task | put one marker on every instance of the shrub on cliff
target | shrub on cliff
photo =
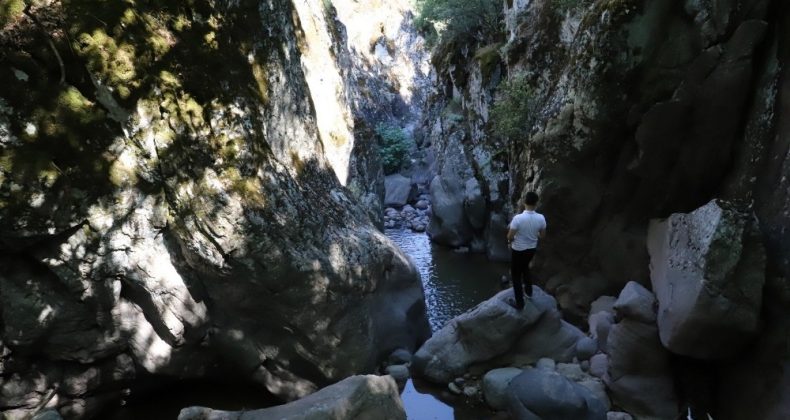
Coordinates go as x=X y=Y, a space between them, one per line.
x=459 y=20
x=513 y=109
x=393 y=147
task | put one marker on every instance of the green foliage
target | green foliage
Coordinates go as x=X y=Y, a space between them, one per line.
x=459 y=20
x=393 y=147
x=513 y=109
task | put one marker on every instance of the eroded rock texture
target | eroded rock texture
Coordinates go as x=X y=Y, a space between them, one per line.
x=171 y=202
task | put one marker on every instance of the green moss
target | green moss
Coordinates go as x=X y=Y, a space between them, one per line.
x=11 y=10
x=488 y=58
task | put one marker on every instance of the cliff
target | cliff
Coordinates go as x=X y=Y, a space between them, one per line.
x=172 y=202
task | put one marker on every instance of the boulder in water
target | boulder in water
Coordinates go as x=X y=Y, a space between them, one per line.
x=397 y=189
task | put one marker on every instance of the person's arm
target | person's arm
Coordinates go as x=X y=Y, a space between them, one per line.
x=510 y=235
x=542 y=232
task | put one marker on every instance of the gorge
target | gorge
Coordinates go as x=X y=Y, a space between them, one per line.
x=196 y=190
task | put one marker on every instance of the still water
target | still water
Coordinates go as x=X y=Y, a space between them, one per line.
x=454 y=283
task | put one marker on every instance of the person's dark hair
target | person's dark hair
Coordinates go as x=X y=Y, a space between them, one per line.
x=531 y=199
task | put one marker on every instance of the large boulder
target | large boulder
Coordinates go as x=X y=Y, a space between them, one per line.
x=638 y=370
x=449 y=225
x=397 y=190
x=708 y=272
x=497 y=332
x=356 y=397
x=495 y=384
x=637 y=303
x=546 y=394
x=475 y=204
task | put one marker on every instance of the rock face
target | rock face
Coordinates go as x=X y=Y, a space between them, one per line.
x=708 y=271
x=170 y=204
x=545 y=394
x=497 y=332
x=638 y=371
x=356 y=397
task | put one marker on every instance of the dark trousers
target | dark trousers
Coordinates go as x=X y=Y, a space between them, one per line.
x=520 y=275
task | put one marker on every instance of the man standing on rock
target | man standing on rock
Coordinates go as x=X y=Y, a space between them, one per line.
x=525 y=230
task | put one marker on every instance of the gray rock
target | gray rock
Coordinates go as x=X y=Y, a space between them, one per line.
x=422 y=204
x=471 y=391
x=495 y=384
x=546 y=363
x=708 y=272
x=541 y=393
x=496 y=238
x=600 y=323
x=637 y=303
x=585 y=348
x=475 y=204
x=599 y=365
x=497 y=332
x=572 y=371
x=455 y=389
x=603 y=303
x=597 y=387
x=399 y=372
x=397 y=189
x=618 y=415
x=356 y=397
x=400 y=357
x=639 y=372
x=449 y=225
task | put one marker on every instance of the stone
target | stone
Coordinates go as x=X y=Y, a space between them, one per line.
x=639 y=374
x=449 y=225
x=495 y=384
x=618 y=415
x=597 y=387
x=572 y=371
x=400 y=357
x=603 y=303
x=475 y=204
x=599 y=365
x=585 y=348
x=636 y=302
x=399 y=372
x=542 y=393
x=455 y=389
x=497 y=332
x=585 y=365
x=422 y=204
x=361 y=396
x=471 y=391
x=397 y=189
x=496 y=238
x=707 y=268
x=599 y=324
x=546 y=363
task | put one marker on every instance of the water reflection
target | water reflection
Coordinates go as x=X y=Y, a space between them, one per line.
x=454 y=282
x=421 y=406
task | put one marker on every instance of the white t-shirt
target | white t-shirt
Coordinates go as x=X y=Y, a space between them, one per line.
x=527 y=226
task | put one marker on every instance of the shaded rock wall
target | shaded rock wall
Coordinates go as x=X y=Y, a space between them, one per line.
x=641 y=109
x=170 y=204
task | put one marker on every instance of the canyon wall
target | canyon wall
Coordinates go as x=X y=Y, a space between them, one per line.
x=637 y=110
x=186 y=190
